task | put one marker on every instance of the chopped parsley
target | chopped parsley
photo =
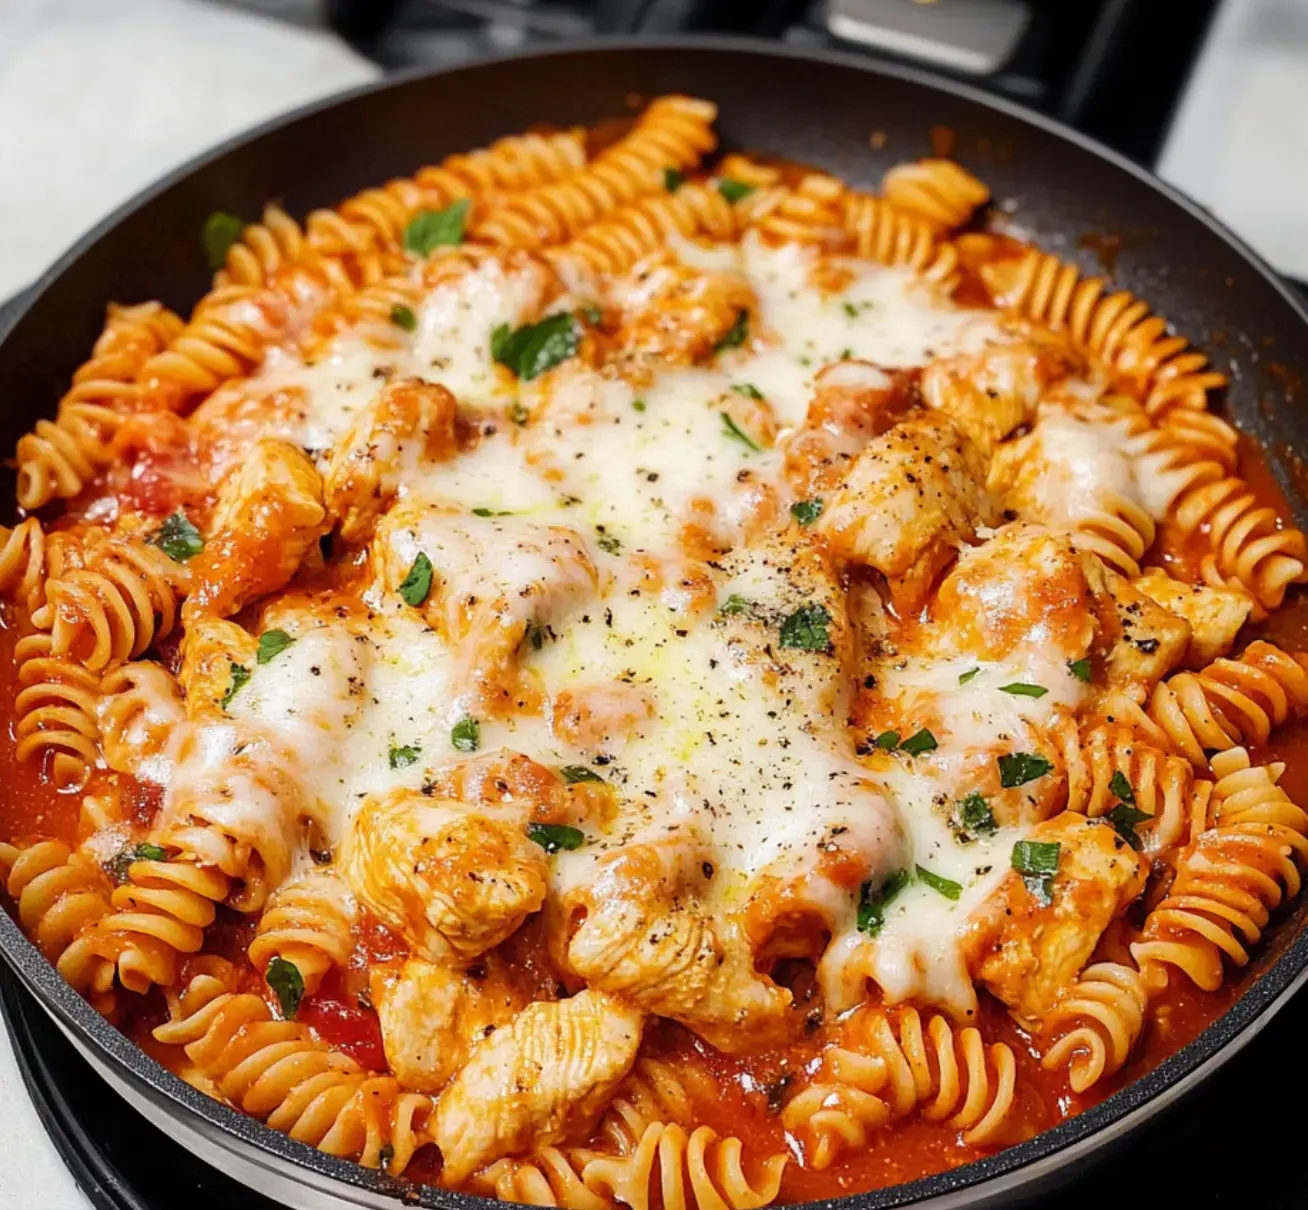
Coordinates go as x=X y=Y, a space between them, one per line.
x=403 y=317
x=403 y=755
x=416 y=585
x=1024 y=689
x=492 y=512
x=673 y=179
x=887 y=741
x=873 y=901
x=1080 y=669
x=731 y=429
x=287 y=984
x=608 y=543
x=737 y=334
x=1122 y=788
x=734 y=604
x=806 y=629
x=1037 y=862
x=271 y=644
x=807 y=511
x=555 y=836
x=534 y=348
x=1125 y=819
x=431 y=229
x=121 y=861
x=975 y=818
x=240 y=675
x=575 y=773
x=919 y=742
x=518 y=413
x=946 y=886
x=637 y=405
x=465 y=735
x=851 y=309
x=177 y=538
x=1022 y=767
x=220 y=231
x=970 y=675
x=748 y=389
x=734 y=190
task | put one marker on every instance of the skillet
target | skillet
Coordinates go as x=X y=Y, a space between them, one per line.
x=815 y=108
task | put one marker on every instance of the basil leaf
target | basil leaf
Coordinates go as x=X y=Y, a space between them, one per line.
x=737 y=334
x=969 y=675
x=1022 y=767
x=887 y=741
x=1080 y=669
x=1036 y=856
x=403 y=317
x=271 y=644
x=177 y=538
x=1023 y=689
x=918 y=743
x=220 y=231
x=575 y=773
x=416 y=585
x=806 y=629
x=287 y=984
x=430 y=229
x=401 y=757
x=535 y=348
x=1124 y=819
x=466 y=734
x=673 y=179
x=748 y=389
x=946 y=886
x=240 y=675
x=120 y=862
x=873 y=901
x=734 y=604
x=732 y=429
x=975 y=817
x=807 y=511
x=555 y=836
x=1122 y=788
x=734 y=190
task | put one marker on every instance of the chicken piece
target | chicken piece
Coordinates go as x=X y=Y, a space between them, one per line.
x=1215 y=614
x=211 y=648
x=410 y=423
x=672 y=313
x=492 y=580
x=226 y=426
x=1145 y=640
x=604 y=716
x=639 y=928
x=910 y=498
x=432 y=1016
x=269 y=516
x=991 y=394
x=1028 y=954
x=540 y=1080
x=454 y=881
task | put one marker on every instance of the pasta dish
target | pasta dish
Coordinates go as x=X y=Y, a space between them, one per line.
x=609 y=672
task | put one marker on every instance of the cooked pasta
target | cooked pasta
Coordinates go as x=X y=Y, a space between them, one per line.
x=601 y=675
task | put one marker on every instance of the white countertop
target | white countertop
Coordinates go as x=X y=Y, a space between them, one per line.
x=99 y=97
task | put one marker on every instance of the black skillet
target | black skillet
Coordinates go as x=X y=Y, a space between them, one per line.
x=818 y=109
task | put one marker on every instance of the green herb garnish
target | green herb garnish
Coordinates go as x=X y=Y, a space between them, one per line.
x=1024 y=689
x=1037 y=862
x=240 y=675
x=851 y=309
x=807 y=511
x=1022 y=767
x=1125 y=819
x=271 y=644
x=1122 y=788
x=121 y=861
x=737 y=334
x=287 y=984
x=555 y=836
x=873 y=901
x=534 y=348
x=430 y=229
x=416 y=585
x=402 y=756
x=1080 y=669
x=220 y=231
x=919 y=742
x=518 y=413
x=748 y=389
x=575 y=773
x=673 y=179
x=946 y=886
x=734 y=190
x=887 y=741
x=608 y=544
x=403 y=317
x=975 y=818
x=970 y=675
x=465 y=735
x=731 y=429
x=806 y=629
x=177 y=538
x=734 y=604
x=637 y=405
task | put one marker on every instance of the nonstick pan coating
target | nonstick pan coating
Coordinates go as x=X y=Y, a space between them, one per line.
x=1067 y=194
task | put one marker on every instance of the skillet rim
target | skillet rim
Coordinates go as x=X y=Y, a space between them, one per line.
x=1125 y=1110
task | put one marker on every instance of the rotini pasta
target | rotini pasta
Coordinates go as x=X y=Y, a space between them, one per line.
x=307 y=922
x=55 y=712
x=941 y=192
x=1100 y=1022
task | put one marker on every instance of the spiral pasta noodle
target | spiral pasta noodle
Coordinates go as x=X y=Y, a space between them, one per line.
x=672 y=133
x=655 y=1091
x=281 y=1073
x=1120 y=533
x=113 y=608
x=59 y=457
x=308 y=922
x=22 y=562
x=60 y=895
x=875 y=1076
x=1229 y=880
x=55 y=711
x=548 y=1177
x=883 y=233
x=939 y=192
x=1102 y=1018
x=667 y=1161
